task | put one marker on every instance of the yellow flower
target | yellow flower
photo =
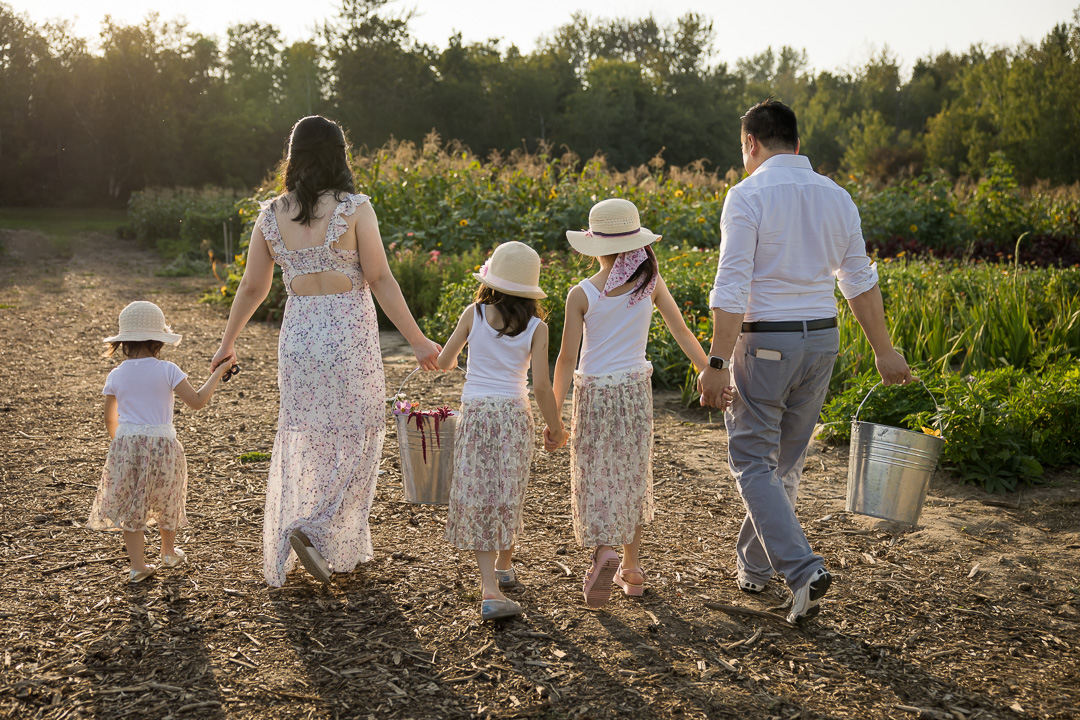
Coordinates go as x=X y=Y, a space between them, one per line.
x=914 y=227
x=697 y=264
x=463 y=222
x=552 y=195
x=678 y=193
x=223 y=290
x=901 y=254
x=931 y=431
x=701 y=220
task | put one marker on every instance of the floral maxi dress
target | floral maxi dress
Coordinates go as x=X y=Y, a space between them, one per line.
x=331 y=421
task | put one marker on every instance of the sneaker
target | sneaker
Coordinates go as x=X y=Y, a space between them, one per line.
x=171 y=561
x=807 y=601
x=309 y=557
x=495 y=609
x=506 y=578
x=750 y=586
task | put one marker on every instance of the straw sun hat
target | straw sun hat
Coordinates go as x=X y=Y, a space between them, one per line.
x=514 y=269
x=614 y=227
x=142 y=320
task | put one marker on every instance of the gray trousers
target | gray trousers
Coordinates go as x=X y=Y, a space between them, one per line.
x=769 y=425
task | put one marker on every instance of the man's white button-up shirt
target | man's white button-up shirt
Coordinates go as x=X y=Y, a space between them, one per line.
x=787 y=235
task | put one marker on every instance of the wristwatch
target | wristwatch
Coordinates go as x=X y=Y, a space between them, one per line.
x=718 y=363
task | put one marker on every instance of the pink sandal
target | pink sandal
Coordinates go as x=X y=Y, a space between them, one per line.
x=597 y=587
x=631 y=589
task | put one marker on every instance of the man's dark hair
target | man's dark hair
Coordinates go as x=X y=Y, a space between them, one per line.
x=773 y=124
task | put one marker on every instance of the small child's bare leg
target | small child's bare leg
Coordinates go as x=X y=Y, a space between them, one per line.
x=505 y=559
x=168 y=542
x=136 y=544
x=489 y=585
x=631 y=561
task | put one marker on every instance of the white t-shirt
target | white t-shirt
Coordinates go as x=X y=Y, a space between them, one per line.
x=144 y=390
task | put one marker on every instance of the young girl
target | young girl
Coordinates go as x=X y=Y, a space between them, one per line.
x=612 y=427
x=493 y=446
x=145 y=475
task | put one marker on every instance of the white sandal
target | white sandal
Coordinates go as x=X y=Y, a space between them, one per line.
x=309 y=556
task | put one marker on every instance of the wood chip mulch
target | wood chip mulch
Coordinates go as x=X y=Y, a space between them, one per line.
x=974 y=614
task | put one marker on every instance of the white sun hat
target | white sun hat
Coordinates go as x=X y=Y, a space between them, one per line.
x=514 y=269
x=142 y=320
x=614 y=227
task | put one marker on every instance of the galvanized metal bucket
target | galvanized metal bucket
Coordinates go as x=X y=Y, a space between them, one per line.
x=889 y=469
x=427 y=456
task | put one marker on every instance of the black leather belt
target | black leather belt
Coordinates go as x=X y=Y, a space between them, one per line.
x=789 y=325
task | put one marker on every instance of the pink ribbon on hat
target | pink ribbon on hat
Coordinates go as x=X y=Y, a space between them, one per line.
x=626 y=264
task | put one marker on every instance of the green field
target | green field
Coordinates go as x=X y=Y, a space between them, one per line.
x=62 y=225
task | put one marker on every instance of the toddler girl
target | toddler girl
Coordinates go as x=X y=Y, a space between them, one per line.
x=608 y=317
x=493 y=445
x=145 y=475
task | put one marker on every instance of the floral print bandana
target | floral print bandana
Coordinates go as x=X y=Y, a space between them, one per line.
x=626 y=264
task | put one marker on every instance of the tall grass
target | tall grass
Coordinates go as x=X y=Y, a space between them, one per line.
x=946 y=316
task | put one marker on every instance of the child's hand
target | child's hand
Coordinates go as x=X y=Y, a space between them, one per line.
x=555 y=440
x=222 y=369
x=727 y=397
x=224 y=356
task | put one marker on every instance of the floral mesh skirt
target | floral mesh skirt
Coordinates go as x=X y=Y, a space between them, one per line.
x=144 y=481
x=492 y=452
x=611 y=440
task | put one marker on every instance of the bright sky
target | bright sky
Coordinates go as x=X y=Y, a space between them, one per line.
x=837 y=34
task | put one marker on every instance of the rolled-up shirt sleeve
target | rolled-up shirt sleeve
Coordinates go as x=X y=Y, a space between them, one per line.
x=738 y=243
x=856 y=273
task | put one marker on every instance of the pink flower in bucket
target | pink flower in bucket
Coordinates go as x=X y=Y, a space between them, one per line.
x=403 y=406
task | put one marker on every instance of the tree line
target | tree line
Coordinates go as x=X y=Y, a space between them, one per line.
x=156 y=104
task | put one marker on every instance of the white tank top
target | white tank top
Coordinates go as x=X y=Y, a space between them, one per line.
x=498 y=366
x=615 y=334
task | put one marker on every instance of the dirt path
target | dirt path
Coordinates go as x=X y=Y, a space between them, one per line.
x=972 y=615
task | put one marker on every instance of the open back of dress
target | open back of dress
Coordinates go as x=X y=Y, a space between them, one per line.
x=331 y=422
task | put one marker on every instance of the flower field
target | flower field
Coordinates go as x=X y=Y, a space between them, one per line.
x=978 y=277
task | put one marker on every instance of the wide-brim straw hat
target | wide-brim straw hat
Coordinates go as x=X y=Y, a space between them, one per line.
x=614 y=227
x=142 y=320
x=514 y=269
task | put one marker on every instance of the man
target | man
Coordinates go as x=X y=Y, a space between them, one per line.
x=787 y=236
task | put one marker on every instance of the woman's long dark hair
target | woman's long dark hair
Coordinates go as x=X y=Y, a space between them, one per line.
x=516 y=311
x=318 y=161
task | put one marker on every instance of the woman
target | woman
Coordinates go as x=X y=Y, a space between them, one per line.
x=331 y=422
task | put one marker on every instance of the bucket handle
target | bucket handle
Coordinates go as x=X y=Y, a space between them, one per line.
x=416 y=370
x=937 y=408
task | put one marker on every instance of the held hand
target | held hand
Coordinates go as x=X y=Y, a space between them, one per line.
x=427 y=352
x=893 y=368
x=715 y=388
x=727 y=398
x=225 y=356
x=555 y=440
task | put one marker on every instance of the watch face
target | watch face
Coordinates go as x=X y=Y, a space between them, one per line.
x=717 y=363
